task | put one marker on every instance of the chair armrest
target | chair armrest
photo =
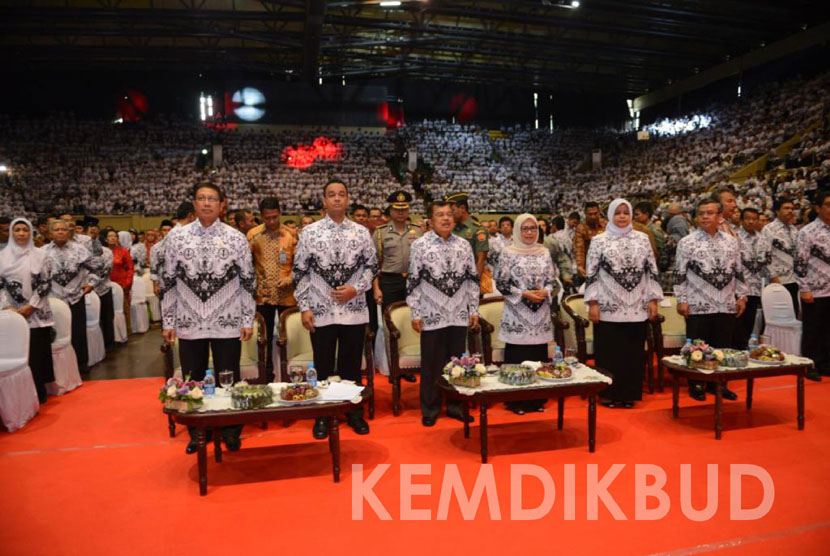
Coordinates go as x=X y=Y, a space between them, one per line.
x=167 y=353
x=262 y=353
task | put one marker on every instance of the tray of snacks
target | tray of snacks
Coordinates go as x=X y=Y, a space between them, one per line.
x=517 y=375
x=251 y=396
x=554 y=373
x=735 y=358
x=298 y=393
x=767 y=355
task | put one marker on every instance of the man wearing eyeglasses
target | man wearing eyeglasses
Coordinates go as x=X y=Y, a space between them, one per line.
x=208 y=301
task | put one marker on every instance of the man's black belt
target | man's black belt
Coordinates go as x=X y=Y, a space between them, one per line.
x=396 y=274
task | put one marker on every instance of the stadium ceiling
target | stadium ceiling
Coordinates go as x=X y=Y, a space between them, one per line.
x=603 y=46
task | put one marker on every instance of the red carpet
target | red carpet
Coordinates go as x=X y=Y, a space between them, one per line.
x=96 y=473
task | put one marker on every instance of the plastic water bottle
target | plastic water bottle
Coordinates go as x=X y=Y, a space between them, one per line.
x=311 y=375
x=688 y=343
x=753 y=342
x=557 y=356
x=209 y=384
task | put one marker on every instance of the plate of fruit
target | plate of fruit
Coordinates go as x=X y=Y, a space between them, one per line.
x=298 y=393
x=554 y=373
x=767 y=355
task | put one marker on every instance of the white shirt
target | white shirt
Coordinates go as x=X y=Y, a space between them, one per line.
x=524 y=322
x=812 y=263
x=442 y=285
x=781 y=237
x=621 y=276
x=330 y=255
x=73 y=267
x=208 y=278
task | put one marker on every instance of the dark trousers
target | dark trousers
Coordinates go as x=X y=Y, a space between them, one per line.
x=793 y=289
x=40 y=359
x=269 y=315
x=716 y=330
x=437 y=347
x=619 y=348
x=373 y=311
x=815 y=335
x=339 y=347
x=79 y=334
x=514 y=354
x=194 y=355
x=393 y=288
x=745 y=324
x=106 y=318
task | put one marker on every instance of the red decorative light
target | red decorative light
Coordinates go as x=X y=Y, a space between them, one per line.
x=304 y=156
x=131 y=106
x=464 y=108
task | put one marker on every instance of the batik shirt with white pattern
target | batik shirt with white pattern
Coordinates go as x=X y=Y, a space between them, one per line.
x=755 y=259
x=812 y=262
x=708 y=274
x=208 y=278
x=621 y=276
x=526 y=322
x=73 y=267
x=11 y=294
x=442 y=286
x=781 y=238
x=104 y=270
x=330 y=255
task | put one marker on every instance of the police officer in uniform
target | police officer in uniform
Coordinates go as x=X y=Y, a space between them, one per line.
x=469 y=228
x=392 y=242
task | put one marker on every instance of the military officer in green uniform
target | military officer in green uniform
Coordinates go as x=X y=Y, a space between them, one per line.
x=392 y=242
x=467 y=227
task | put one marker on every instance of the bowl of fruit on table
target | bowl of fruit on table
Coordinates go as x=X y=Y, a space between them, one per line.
x=554 y=372
x=767 y=355
x=298 y=393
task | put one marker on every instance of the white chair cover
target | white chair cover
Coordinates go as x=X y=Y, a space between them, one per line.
x=139 y=318
x=18 y=397
x=119 y=322
x=782 y=329
x=94 y=334
x=152 y=300
x=64 y=362
x=381 y=358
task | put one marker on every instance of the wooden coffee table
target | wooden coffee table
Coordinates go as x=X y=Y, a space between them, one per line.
x=722 y=376
x=486 y=398
x=203 y=421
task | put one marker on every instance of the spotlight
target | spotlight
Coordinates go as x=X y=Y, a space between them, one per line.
x=3 y=168
x=204 y=151
x=389 y=4
x=574 y=3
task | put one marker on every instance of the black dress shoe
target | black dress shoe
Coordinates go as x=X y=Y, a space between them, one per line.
x=726 y=393
x=359 y=425
x=813 y=375
x=457 y=415
x=697 y=394
x=232 y=440
x=409 y=378
x=428 y=421
x=321 y=428
x=192 y=447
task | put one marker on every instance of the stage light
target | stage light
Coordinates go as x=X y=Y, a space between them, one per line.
x=3 y=168
x=251 y=100
x=389 y=4
x=575 y=4
x=204 y=151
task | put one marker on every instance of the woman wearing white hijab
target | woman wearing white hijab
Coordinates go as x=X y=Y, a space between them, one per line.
x=526 y=276
x=622 y=291
x=25 y=282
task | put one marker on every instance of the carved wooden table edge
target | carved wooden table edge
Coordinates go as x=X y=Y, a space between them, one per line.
x=202 y=421
x=720 y=378
x=559 y=392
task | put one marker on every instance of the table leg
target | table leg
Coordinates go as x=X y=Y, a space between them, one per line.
x=483 y=429
x=560 y=413
x=592 y=422
x=675 y=396
x=750 y=382
x=800 y=394
x=466 y=406
x=201 y=454
x=334 y=446
x=171 y=426
x=217 y=445
x=718 y=406
x=396 y=395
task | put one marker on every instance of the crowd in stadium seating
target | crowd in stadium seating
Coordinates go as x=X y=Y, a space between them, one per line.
x=68 y=165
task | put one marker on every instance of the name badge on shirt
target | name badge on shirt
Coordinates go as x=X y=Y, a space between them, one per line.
x=283 y=258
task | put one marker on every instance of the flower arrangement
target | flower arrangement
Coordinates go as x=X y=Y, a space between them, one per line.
x=702 y=355
x=465 y=371
x=182 y=395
